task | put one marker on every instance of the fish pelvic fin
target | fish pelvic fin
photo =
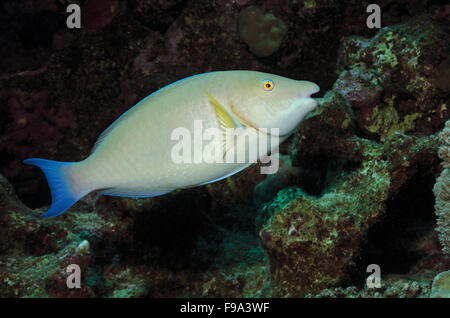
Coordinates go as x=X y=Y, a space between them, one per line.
x=61 y=185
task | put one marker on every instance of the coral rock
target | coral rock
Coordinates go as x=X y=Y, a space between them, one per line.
x=442 y=192
x=389 y=79
x=441 y=286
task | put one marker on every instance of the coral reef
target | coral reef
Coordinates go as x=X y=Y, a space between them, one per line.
x=312 y=240
x=388 y=79
x=119 y=256
x=442 y=192
x=314 y=233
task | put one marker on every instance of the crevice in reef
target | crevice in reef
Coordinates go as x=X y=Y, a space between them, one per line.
x=35 y=179
x=167 y=236
x=404 y=236
x=322 y=172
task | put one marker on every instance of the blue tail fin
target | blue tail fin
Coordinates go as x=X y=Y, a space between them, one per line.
x=62 y=195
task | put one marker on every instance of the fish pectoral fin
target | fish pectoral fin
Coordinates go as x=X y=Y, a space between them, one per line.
x=225 y=121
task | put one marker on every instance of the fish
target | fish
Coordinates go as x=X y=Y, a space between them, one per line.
x=134 y=156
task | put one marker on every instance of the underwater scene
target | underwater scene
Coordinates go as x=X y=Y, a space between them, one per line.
x=224 y=149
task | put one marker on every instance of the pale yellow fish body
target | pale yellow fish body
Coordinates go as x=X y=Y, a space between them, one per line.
x=133 y=157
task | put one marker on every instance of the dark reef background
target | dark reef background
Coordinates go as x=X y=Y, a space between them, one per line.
x=357 y=178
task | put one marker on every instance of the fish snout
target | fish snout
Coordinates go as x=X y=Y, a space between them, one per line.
x=307 y=89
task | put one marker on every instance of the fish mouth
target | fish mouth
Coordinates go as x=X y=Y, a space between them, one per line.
x=308 y=104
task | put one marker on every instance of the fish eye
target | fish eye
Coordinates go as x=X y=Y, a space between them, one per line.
x=268 y=85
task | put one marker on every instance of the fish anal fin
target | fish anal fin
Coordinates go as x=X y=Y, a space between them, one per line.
x=133 y=193
x=227 y=175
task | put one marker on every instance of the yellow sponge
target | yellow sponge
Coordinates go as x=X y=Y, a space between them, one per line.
x=262 y=31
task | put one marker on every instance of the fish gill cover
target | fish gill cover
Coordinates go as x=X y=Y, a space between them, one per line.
x=355 y=183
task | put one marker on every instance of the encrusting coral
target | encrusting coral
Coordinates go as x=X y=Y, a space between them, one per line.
x=442 y=192
x=312 y=240
x=313 y=232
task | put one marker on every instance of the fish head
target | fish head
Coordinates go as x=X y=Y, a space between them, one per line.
x=273 y=101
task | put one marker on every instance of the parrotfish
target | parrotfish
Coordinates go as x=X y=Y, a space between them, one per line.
x=133 y=157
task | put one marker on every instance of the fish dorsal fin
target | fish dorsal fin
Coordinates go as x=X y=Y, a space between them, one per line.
x=225 y=121
x=165 y=89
